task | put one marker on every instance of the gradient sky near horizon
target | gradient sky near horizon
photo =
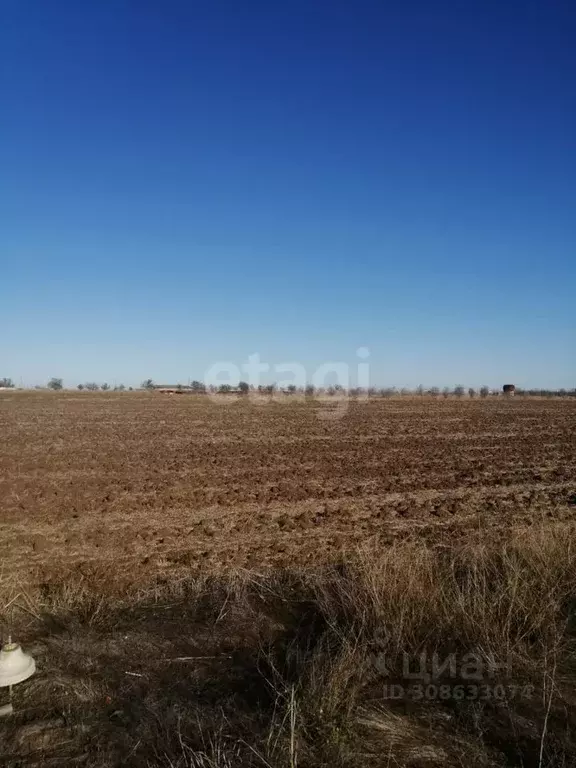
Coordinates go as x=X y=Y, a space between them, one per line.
x=186 y=182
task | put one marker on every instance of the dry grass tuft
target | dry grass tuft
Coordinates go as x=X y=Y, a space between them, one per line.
x=293 y=667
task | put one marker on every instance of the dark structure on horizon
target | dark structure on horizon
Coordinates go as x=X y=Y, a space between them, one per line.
x=172 y=389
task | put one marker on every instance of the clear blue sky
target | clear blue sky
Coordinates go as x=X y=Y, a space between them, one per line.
x=184 y=182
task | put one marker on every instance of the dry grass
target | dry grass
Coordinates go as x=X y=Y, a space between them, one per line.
x=288 y=668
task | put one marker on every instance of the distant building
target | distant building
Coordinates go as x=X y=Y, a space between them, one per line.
x=508 y=389
x=172 y=389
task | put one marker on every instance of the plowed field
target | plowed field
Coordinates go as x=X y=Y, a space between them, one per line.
x=145 y=482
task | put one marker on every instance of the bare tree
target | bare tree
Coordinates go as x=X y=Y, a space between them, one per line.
x=6 y=383
x=91 y=386
x=471 y=392
x=105 y=387
x=147 y=384
x=459 y=390
x=484 y=391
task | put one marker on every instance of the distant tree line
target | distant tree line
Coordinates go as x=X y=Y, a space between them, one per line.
x=458 y=391
x=243 y=388
x=92 y=386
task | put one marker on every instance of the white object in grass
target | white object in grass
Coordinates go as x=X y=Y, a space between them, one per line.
x=15 y=667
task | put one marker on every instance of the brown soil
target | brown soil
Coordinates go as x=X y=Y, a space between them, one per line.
x=149 y=484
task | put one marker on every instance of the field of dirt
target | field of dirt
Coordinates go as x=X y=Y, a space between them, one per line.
x=155 y=484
